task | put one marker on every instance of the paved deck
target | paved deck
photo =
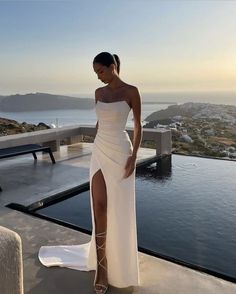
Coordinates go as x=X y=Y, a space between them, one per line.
x=25 y=182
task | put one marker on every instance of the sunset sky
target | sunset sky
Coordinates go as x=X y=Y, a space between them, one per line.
x=48 y=46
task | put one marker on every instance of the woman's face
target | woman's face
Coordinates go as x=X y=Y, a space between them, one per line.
x=104 y=73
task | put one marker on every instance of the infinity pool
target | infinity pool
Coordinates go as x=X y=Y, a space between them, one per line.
x=186 y=209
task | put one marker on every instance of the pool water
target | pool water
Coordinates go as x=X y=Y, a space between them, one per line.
x=186 y=209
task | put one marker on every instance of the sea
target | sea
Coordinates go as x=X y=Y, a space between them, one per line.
x=151 y=102
x=60 y=118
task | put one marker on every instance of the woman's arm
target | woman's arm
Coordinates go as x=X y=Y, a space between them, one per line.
x=135 y=100
x=136 y=106
x=97 y=93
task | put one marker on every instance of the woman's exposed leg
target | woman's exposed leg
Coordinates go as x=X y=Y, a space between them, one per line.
x=99 y=195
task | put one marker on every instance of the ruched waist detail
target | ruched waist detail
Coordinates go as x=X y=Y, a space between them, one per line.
x=116 y=140
x=111 y=131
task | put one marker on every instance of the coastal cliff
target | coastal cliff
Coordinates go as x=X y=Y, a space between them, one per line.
x=41 y=102
x=11 y=127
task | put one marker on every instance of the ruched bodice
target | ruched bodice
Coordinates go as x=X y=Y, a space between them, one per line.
x=111 y=134
x=112 y=116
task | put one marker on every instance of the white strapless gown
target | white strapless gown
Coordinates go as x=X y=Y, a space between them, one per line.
x=112 y=146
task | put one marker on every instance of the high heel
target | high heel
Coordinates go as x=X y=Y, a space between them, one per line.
x=103 y=288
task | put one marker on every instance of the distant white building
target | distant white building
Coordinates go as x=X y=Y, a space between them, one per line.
x=172 y=125
x=231 y=149
x=52 y=126
x=160 y=126
x=210 y=132
x=186 y=138
x=177 y=118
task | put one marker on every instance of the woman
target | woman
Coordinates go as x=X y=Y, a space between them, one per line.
x=114 y=197
x=112 y=251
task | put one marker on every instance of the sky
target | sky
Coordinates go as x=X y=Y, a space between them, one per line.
x=49 y=46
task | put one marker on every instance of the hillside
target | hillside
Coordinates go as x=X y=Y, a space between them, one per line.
x=42 y=101
x=195 y=110
x=200 y=129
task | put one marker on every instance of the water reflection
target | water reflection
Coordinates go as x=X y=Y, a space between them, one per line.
x=160 y=170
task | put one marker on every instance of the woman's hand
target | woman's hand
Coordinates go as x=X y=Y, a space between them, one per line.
x=130 y=166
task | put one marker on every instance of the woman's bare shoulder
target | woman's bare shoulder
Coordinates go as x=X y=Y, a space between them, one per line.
x=132 y=91
x=133 y=95
x=131 y=88
x=99 y=90
x=98 y=93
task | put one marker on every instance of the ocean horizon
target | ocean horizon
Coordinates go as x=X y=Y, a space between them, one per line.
x=61 y=118
x=226 y=97
x=151 y=102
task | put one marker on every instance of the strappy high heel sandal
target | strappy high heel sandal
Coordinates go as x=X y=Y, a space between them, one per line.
x=100 y=288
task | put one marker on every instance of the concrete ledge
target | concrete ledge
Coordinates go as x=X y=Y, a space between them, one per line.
x=52 y=137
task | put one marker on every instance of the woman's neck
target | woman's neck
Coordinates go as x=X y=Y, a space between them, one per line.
x=116 y=83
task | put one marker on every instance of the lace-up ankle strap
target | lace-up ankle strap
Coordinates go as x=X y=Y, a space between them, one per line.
x=101 y=235
x=102 y=246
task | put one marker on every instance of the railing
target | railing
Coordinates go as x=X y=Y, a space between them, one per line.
x=74 y=134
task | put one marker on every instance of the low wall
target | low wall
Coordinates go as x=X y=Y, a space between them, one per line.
x=73 y=134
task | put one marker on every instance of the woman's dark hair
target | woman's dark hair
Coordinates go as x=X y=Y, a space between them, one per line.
x=106 y=58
